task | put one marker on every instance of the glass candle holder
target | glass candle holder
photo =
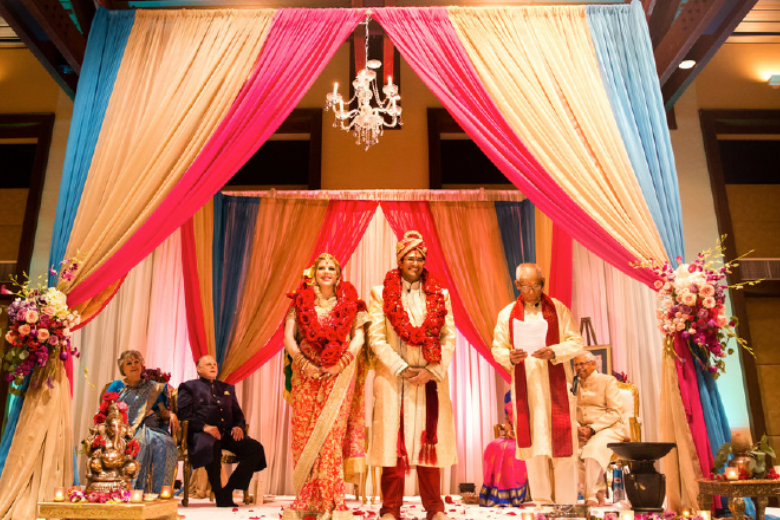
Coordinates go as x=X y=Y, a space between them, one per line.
x=59 y=494
x=686 y=512
x=731 y=473
x=627 y=515
x=528 y=516
x=166 y=493
x=137 y=495
x=705 y=515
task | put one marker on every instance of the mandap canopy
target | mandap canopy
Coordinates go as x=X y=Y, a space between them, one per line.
x=564 y=100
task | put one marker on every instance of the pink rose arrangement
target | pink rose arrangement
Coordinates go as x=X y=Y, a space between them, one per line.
x=692 y=304
x=39 y=333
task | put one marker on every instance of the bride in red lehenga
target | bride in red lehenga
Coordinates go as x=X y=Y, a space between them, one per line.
x=324 y=337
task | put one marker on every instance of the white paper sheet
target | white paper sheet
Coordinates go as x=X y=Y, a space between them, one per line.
x=529 y=335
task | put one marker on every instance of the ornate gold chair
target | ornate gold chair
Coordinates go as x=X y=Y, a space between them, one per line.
x=630 y=396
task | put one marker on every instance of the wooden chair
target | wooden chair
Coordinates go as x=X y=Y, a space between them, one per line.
x=228 y=457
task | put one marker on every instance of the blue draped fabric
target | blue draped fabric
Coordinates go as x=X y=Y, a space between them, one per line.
x=627 y=65
x=715 y=419
x=105 y=48
x=13 y=407
x=516 y=221
x=234 y=224
x=158 y=453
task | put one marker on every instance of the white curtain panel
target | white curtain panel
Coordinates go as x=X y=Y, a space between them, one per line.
x=622 y=311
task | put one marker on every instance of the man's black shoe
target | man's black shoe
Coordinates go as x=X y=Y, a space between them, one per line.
x=225 y=498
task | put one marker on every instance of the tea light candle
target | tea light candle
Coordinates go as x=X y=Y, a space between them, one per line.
x=528 y=516
x=166 y=492
x=705 y=515
x=732 y=474
x=686 y=512
x=627 y=515
x=59 y=494
x=137 y=495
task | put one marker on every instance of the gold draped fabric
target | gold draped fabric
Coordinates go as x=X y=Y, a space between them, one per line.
x=681 y=466
x=203 y=228
x=181 y=72
x=471 y=242
x=40 y=457
x=540 y=67
x=285 y=236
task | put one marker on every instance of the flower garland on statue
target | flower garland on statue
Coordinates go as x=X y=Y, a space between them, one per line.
x=427 y=334
x=329 y=336
x=692 y=304
x=39 y=334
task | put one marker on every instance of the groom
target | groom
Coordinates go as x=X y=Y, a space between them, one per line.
x=412 y=334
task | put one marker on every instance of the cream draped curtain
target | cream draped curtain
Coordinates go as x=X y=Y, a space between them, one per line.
x=155 y=133
x=539 y=66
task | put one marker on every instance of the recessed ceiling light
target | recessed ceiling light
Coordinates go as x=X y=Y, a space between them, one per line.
x=687 y=64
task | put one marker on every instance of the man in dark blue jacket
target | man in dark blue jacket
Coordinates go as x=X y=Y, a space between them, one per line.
x=216 y=422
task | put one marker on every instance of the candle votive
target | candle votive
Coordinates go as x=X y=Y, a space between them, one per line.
x=166 y=492
x=705 y=515
x=137 y=495
x=59 y=494
x=731 y=473
x=686 y=512
x=627 y=515
x=527 y=516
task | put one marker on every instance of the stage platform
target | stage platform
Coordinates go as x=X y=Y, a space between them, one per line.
x=201 y=509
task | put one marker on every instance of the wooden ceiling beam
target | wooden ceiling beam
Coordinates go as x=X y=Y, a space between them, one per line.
x=661 y=19
x=683 y=34
x=44 y=50
x=56 y=23
x=85 y=12
x=702 y=52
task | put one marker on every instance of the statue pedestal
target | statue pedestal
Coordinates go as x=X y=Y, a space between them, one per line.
x=157 y=509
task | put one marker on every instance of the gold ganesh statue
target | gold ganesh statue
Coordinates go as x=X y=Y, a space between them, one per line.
x=111 y=451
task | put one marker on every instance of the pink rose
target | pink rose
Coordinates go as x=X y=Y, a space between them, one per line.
x=53 y=340
x=707 y=290
x=43 y=334
x=709 y=302
x=24 y=329
x=689 y=299
x=722 y=321
x=681 y=327
x=10 y=337
x=48 y=310
x=658 y=284
x=32 y=317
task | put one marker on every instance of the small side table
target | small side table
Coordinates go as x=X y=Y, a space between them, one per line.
x=157 y=509
x=736 y=490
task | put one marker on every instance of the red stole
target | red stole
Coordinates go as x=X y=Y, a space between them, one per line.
x=561 y=420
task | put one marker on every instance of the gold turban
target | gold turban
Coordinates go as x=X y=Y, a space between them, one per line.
x=412 y=240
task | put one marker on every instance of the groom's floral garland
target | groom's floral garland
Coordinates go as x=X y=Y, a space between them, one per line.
x=329 y=338
x=427 y=334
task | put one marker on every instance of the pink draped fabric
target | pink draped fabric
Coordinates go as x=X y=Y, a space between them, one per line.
x=561 y=271
x=345 y=224
x=299 y=45
x=405 y=215
x=429 y=43
x=689 y=391
x=192 y=296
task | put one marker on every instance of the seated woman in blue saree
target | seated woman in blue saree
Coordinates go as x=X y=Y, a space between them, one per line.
x=149 y=414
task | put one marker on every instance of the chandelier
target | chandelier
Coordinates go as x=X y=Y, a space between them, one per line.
x=366 y=121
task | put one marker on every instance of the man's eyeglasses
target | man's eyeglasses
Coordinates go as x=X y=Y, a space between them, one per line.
x=582 y=364
x=529 y=287
x=414 y=260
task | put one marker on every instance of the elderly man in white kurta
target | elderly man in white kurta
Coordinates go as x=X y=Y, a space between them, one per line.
x=544 y=411
x=412 y=334
x=599 y=421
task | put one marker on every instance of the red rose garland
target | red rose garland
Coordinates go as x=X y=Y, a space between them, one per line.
x=427 y=334
x=330 y=339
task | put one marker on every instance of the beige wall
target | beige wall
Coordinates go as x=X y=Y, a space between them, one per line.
x=25 y=86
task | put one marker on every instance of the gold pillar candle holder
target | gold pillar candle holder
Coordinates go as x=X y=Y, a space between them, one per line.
x=166 y=493
x=59 y=494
